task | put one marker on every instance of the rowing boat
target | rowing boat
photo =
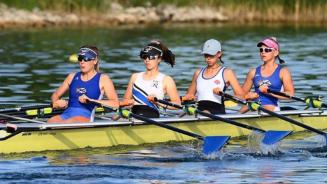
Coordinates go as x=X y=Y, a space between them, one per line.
x=31 y=137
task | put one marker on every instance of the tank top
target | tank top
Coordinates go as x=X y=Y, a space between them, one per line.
x=273 y=82
x=90 y=88
x=205 y=86
x=142 y=88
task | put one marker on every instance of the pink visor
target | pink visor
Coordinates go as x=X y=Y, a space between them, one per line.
x=269 y=42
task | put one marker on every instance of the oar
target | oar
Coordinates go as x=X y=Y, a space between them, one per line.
x=25 y=109
x=309 y=100
x=270 y=136
x=256 y=106
x=211 y=144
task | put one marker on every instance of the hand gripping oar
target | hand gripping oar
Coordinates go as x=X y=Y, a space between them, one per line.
x=211 y=144
x=255 y=106
x=270 y=136
x=311 y=102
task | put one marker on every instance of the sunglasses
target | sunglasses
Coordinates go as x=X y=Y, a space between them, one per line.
x=84 y=58
x=266 y=50
x=150 y=57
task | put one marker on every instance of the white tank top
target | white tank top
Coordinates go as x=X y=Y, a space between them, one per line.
x=142 y=88
x=205 y=86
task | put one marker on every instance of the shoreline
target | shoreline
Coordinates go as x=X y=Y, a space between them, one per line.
x=118 y=15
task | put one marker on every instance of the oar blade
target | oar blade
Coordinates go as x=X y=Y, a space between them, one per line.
x=214 y=144
x=274 y=136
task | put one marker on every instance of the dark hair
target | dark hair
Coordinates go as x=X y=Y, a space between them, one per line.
x=96 y=50
x=281 y=61
x=167 y=55
x=221 y=60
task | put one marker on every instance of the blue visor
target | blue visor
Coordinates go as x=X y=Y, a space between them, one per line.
x=87 y=53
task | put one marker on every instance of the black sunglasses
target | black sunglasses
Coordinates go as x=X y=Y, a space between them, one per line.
x=150 y=57
x=84 y=58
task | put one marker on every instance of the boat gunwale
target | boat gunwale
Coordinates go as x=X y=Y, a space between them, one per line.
x=168 y=120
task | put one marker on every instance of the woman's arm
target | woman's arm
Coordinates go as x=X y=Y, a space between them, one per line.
x=128 y=96
x=190 y=94
x=171 y=90
x=108 y=88
x=248 y=83
x=55 y=98
x=286 y=77
x=231 y=79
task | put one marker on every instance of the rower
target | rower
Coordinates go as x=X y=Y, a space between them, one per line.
x=269 y=75
x=151 y=83
x=83 y=86
x=208 y=81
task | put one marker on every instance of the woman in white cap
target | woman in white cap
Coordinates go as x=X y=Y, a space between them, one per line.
x=208 y=81
x=83 y=86
x=269 y=75
x=151 y=83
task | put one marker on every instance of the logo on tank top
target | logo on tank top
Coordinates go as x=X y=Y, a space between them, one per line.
x=81 y=91
x=217 y=82
x=264 y=82
x=155 y=83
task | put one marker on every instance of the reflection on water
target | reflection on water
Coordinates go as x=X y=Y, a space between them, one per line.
x=34 y=62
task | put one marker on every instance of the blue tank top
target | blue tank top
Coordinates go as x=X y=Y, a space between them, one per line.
x=273 y=82
x=78 y=87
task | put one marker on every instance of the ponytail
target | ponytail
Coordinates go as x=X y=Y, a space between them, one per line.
x=167 y=56
x=281 y=61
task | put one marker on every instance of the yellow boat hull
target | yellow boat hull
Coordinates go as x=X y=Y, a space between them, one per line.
x=137 y=133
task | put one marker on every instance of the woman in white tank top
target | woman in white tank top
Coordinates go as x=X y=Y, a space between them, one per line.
x=208 y=81
x=151 y=82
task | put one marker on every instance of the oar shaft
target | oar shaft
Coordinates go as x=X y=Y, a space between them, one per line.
x=148 y=120
x=215 y=117
x=291 y=121
x=163 y=125
x=22 y=119
x=168 y=103
x=279 y=93
x=18 y=109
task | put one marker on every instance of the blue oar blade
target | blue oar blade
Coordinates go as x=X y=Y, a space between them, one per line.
x=274 y=136
x=214 y=144
x=325 y=136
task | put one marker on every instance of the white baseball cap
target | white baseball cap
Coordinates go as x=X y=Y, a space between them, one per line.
x=211 y=47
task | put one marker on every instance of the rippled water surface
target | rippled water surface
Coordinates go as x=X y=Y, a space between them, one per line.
x=35 y=61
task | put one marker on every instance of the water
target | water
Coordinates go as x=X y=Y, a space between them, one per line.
x=34 y=63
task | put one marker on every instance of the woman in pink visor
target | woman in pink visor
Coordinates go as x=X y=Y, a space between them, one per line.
x=269 y=75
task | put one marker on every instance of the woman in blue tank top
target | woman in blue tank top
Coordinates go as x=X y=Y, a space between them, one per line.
x=269 y=75
x=87 y=84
